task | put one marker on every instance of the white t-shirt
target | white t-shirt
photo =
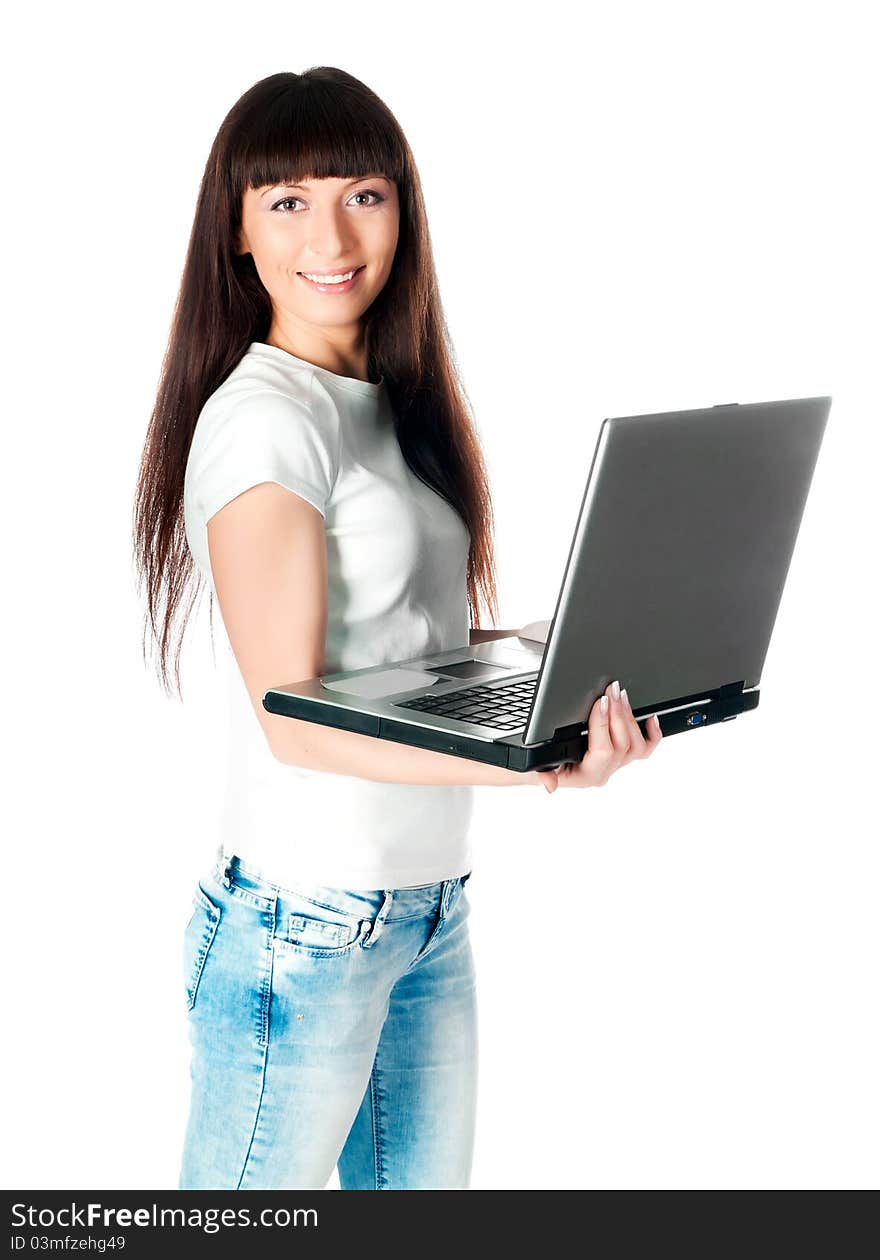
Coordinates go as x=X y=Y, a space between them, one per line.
x=397 y=587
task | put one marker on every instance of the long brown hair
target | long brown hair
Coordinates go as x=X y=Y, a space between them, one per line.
x=289 y=128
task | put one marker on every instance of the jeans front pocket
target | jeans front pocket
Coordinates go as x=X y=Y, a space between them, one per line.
x=317 y=930
x=197 y=941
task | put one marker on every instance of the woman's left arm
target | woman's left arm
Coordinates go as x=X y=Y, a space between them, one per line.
x=485 y=636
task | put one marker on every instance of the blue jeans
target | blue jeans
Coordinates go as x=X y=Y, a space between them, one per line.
x=329 y=1026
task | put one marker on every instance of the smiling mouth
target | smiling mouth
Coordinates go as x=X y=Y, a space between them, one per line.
x=331 y=277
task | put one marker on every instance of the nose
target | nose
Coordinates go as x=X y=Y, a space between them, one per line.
x=328 y=234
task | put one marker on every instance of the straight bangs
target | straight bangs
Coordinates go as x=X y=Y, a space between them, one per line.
x=313 y=130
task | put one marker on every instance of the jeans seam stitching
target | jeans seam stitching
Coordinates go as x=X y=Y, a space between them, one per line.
x=375 y=1106
x=265 y=999
x=201 y=958
x=266 y=983
x=247 y=1155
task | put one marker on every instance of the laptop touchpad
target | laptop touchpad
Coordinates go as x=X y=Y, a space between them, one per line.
x=387 y=682
x=469 y=669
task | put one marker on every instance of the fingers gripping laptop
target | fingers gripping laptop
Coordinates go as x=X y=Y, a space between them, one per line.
x=673 y=580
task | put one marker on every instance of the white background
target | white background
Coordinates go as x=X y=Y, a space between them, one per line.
x=633 y=207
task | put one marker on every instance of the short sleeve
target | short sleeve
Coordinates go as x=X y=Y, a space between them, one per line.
x=264 y=436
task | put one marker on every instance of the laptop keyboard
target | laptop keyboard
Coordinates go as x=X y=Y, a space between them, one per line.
x=505 y=707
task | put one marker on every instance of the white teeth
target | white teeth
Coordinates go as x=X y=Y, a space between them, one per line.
x=330 y=279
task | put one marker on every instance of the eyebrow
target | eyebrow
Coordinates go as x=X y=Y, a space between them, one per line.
x=360 y=179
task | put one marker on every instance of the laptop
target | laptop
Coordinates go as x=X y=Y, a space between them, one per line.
x=673 y=580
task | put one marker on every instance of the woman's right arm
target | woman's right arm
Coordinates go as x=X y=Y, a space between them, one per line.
x=269 y=562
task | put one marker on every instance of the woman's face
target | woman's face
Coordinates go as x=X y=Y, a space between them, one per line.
x=328 y=226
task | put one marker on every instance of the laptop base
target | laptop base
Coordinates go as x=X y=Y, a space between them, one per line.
x=687 y=713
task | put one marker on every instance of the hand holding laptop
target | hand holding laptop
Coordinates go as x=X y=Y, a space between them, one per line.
x=615 y=739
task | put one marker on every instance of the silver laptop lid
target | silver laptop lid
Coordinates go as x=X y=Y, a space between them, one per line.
x=681 y=551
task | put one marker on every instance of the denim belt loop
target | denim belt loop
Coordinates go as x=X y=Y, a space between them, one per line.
x=224 y=863
x=376 y=927
x=449 y=886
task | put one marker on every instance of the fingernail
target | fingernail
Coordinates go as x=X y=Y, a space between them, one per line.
x=615 y=689
x=603 y=704
x=624 y=697
x=657 y=723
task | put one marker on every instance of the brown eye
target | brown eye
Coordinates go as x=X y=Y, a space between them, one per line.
x=285 y=201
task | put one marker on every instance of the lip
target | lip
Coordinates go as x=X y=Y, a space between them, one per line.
x=345 y=287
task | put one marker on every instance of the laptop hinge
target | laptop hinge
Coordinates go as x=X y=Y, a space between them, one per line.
x=730 y=699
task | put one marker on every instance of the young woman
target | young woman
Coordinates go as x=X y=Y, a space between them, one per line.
x=311 y=457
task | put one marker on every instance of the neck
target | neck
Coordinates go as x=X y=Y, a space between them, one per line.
x=346 y=354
